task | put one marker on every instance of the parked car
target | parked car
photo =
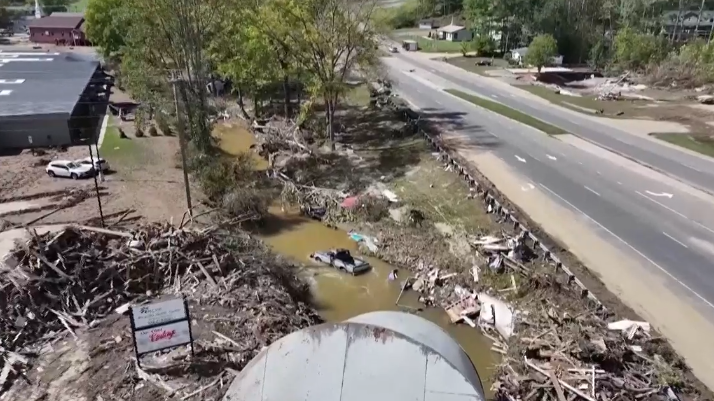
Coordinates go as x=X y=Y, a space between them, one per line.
x=66 y=168
x=341 y=259
x=393 y=49
x=99 y=163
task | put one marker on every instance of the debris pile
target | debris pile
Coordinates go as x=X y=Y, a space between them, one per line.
x=78 y=278
x=563 y=351
x=556 y=345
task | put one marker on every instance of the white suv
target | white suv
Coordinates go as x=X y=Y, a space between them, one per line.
x=99 y=164
x=66 y=168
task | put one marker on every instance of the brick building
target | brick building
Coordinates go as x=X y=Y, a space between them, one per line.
x=59 y=29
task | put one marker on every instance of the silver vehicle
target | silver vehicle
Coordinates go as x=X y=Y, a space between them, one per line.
x=341 y=259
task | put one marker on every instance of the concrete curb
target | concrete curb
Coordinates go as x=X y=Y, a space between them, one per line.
x=489 y=196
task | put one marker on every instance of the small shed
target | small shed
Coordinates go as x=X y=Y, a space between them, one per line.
x=455 y=33
x=518 y=55
x=428 y=24
x=410 y=45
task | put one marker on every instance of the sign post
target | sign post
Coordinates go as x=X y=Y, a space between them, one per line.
x=159 y=326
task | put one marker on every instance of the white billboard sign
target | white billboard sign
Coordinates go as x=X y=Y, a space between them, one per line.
x=157 y=338
x=158 y=313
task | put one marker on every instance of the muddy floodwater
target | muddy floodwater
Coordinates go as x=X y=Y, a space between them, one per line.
x=341 y=296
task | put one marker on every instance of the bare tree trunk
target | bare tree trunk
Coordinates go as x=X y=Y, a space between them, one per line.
x=286 y=95
x=699 y=17
x=330 y=117
x=676 y=23
x=241 y=105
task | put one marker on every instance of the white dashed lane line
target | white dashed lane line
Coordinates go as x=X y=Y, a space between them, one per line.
x=674 y=239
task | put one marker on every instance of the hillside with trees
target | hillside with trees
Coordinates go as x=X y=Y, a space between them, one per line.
x=666 y=39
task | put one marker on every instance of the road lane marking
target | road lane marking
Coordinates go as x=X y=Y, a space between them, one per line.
x=591 y=190
x=494 y=96
x=552 y=157
x=675 y=212
x=520 y=159
x=665 y=194
x=675 y=240
x=598 y=173
x=619 y=183
x=663 y=270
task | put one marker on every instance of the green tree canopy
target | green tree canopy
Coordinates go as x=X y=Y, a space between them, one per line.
x=107 y=24
x=541 y=51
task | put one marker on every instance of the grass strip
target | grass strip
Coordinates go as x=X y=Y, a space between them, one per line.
x=509 y=112
x=700 y=143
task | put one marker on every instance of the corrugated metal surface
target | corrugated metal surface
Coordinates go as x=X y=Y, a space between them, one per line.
x=388 y=356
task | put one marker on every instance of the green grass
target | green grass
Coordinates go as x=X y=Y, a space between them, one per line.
x=433 y=46
x=78 y=6
x=358 y=96
x=119 y=150
x=509 y=112
x=701 y=143
x=442 y=195
x=469 y=64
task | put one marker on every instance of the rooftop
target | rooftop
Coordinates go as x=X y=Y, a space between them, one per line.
x=451 y=28
x=66 y=14
x=58 y=21
x=375 y=356
x=42 y=82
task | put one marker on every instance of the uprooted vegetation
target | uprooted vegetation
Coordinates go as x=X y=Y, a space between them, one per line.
x=79 y=281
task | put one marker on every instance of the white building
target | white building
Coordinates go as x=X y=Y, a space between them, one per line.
x=455 y=33
x=519 y=55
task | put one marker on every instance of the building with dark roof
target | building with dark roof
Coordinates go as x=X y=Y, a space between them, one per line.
x=59 y=29
x=50 y=99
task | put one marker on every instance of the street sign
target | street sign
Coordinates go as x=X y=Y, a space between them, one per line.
x=160 y=325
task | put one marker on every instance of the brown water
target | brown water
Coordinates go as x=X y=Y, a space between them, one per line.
x=341 y=296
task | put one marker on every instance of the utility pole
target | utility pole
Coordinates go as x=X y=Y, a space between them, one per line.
x=97 y=167
x=175 y=80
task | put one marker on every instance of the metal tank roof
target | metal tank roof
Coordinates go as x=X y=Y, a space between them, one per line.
x=390 y=356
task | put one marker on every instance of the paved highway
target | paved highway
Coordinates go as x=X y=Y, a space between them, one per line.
x=652 y=219
x=698 y=171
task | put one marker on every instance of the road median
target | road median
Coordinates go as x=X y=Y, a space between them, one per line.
x=508 y=112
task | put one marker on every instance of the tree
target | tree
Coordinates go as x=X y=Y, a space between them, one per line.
x=170 y=38
x=333 y=38
x=5 y=17
x=541 y=51
x=107 y=24
x=242 y=53
x=465 y=47
x=483 y=45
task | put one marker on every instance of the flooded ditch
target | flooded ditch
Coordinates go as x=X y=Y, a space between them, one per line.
x=339 y=295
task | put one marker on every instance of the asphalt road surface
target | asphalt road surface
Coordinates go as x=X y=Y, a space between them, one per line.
x=670 y=229
x=694 y=170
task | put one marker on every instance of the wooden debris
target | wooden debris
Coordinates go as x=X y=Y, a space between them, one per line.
x=66 y=282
